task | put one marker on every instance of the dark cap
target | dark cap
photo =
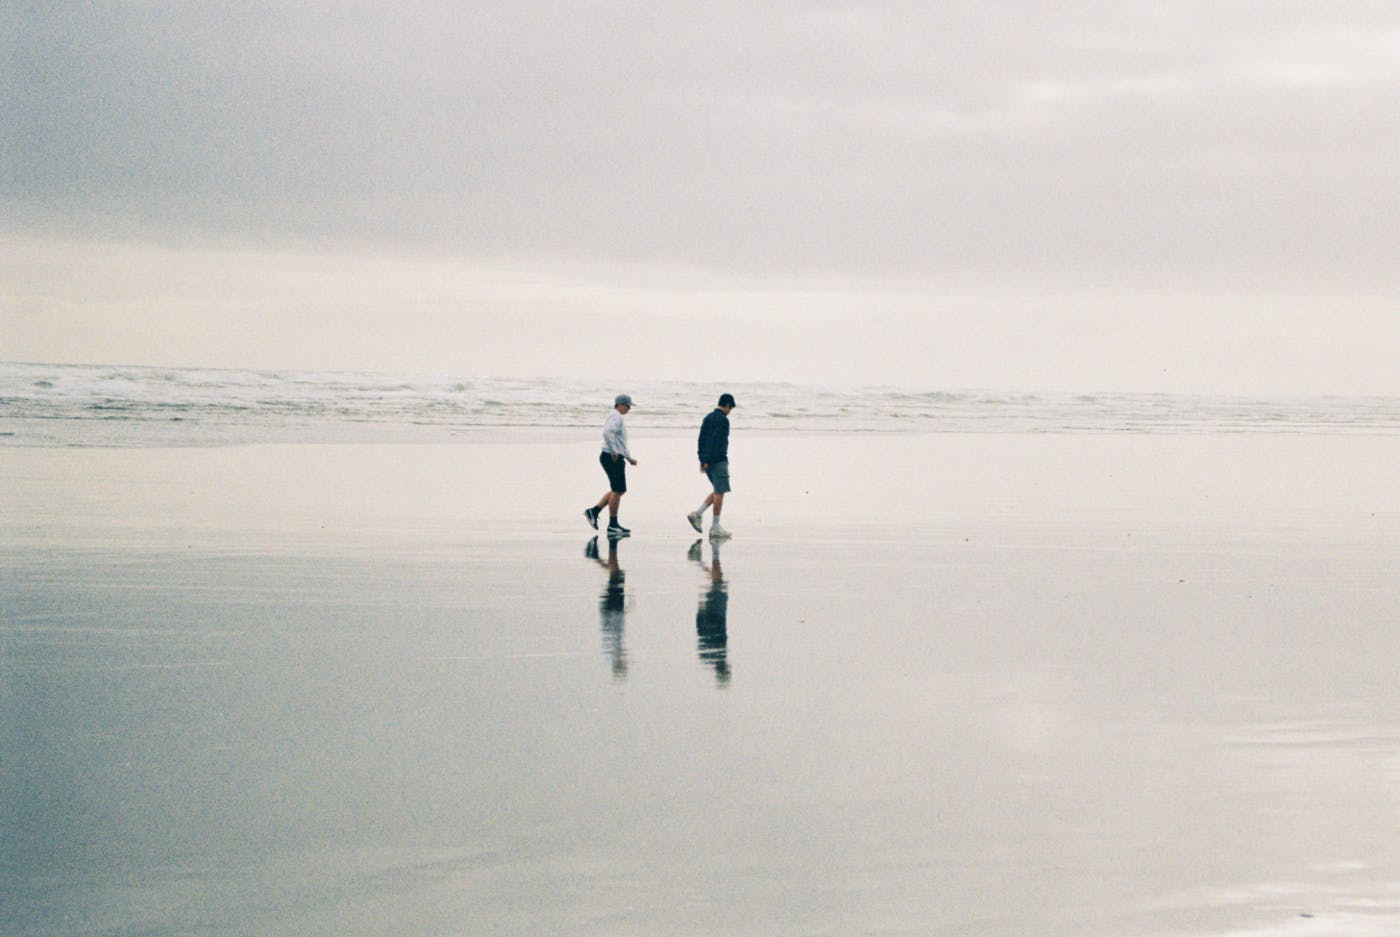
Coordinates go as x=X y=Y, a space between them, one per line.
x=726 y=400
x=622 y=400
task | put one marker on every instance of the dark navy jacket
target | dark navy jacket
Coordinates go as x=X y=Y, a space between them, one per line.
x=714 y=438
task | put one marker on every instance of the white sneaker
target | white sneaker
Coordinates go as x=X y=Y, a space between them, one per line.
x=694 y=519
x=719 y=533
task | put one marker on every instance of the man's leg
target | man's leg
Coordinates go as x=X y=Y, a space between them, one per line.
x=716 y=499
x=615 y=528
x=591 y=514
x=617 y=485
x=696 y=515
x=719 y=475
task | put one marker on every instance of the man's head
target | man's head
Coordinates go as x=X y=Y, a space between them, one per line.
x=622 y=402
x=726 y=403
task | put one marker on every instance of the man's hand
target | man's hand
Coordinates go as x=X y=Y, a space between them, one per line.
x=633 y=461
x=704 y=468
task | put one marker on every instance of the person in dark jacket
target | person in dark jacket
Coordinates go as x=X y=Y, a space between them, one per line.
x=713 y=451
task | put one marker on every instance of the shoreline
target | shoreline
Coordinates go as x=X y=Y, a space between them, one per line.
x=535 y=483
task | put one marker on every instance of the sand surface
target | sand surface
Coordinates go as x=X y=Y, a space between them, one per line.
x=936 y=684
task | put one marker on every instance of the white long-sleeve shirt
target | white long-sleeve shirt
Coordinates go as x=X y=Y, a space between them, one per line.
x=615 y=436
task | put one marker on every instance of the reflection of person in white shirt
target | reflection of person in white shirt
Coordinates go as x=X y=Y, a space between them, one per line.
x=614 y=459
x=612 y=607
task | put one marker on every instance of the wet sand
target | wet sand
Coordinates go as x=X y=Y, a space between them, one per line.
x=953 y=685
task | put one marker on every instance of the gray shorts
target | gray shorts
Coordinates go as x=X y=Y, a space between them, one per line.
x=719 y=477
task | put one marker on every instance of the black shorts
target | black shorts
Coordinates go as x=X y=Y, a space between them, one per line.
x=616 y=467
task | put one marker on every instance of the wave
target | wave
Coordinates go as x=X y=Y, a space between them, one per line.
x=76 y=405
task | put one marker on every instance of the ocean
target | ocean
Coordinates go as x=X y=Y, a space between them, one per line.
x=972 y=663
x=117 y=406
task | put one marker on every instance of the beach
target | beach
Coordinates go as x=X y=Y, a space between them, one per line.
x=1061 y=598
x=950 y=684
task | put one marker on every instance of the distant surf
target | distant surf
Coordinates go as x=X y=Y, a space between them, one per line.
x=98 y=405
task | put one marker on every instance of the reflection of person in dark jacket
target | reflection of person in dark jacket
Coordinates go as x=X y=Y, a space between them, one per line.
x=712 y=617
x=612 y=606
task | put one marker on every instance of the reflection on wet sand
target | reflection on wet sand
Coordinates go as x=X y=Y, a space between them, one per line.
x=611 y=606
x=712 y=614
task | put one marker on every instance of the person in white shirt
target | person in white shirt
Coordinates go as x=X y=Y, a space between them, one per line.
x=614 y=459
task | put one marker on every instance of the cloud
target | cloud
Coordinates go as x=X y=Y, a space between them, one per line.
x=994 y=159
x=894 y=139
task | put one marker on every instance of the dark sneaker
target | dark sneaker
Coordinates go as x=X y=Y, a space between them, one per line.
x=591 y=515
x=617 y=530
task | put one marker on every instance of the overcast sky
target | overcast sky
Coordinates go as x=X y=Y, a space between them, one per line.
x=1198 y=196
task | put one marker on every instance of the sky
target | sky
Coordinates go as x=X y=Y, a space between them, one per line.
x=1119 y=195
